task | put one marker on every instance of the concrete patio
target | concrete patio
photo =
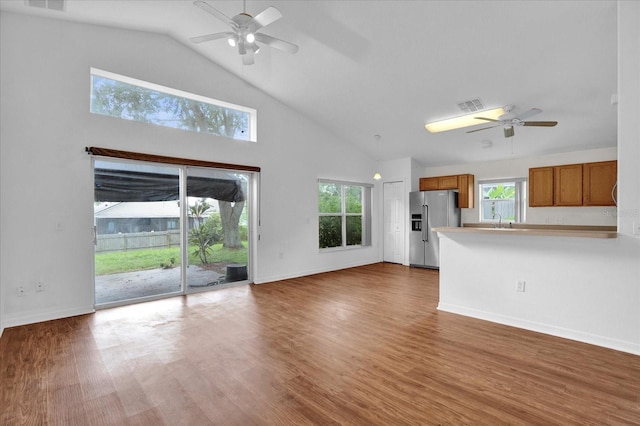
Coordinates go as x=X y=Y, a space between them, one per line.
x=152 y=282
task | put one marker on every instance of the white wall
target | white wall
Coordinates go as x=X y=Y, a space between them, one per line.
x=579 y=288
x=46 y=175
x=519 y=167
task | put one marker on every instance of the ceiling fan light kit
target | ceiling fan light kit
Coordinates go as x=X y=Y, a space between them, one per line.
x=508 y=131
x=245 y=31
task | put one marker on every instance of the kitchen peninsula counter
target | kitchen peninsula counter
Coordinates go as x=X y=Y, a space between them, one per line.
x=541 y=278
x=534 y=230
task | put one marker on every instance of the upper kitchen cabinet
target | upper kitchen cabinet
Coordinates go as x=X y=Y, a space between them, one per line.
x=438 y=182
x=589 y=184
x=541 y=187
x=429 y=184
x=599 y=180
x=465 y=191
x=463 y=183
x=567 y=180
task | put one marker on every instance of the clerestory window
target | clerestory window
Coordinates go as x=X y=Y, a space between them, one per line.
x=131 y=99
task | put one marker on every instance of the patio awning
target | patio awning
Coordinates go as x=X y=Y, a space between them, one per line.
x=126 y=185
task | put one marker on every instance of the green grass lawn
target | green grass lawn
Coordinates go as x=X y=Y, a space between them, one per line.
x=135 y=260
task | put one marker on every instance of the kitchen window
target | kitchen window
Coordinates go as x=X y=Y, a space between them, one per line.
x=502 y=200
x=344 y=210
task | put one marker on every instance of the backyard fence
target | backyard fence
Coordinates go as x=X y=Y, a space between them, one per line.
x=137 y=240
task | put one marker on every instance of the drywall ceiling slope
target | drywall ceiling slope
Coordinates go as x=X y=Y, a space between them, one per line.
x=386 y=67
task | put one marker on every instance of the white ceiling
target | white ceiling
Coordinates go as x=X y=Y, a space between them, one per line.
x=387 y=67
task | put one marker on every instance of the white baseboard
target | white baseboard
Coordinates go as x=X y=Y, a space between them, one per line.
x=580 y=336
x=273 y=278
x=48 y=315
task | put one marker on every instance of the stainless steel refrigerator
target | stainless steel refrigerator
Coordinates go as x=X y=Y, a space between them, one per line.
x=430 y=209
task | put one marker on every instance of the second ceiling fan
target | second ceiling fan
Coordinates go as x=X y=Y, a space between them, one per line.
x=245 y=31
x=509 y=120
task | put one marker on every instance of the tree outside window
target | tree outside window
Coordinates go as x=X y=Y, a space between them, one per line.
x=166 y=107
x=503 y=198
x=341 y=214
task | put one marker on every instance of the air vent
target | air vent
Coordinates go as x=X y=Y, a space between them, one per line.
x=471 y=106
x=47 y=4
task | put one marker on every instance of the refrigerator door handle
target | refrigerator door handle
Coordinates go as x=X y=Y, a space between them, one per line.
x=425 y=223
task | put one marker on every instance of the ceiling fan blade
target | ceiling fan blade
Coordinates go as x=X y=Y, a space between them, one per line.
x=530 y=113
x=215 y=12
x=247 y=58
x=539 y=123
x=488 y=119
x=210 y=37
x=277 y=43
x=484 y=128
x=266 y=17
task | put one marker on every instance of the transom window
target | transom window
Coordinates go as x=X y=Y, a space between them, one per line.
x=131 y=99
x=502 y=200
x=344 y=214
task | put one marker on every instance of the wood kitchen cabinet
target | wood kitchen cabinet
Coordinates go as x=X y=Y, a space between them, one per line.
x=438 y=182
x=463 y=183
x=588 y=184
x=428 y=184
x=448 y=182
x=567 y=180
x=598 y=183
x=465 y=191
x=541 y=187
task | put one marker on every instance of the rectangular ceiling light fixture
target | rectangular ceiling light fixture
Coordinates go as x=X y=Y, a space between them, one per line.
x=464 y=120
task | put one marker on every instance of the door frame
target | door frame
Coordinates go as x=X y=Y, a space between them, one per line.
x=253 y=175
x=403 y=218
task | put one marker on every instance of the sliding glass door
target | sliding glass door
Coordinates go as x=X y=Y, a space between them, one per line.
x=218 y=227
x=167 y=230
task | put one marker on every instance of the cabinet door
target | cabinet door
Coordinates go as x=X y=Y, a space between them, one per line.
x=448 y=182
x=428 y=184
x=465 y=191
x=599 y=180
x=567 y=189
x=541 y=187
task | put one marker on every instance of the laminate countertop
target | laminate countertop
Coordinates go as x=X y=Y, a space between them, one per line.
x=534 y=230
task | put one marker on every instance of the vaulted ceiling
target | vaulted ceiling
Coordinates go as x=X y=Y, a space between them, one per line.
x=368 y=68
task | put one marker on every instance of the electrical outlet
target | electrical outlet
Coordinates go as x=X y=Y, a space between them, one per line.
x=520 y=286
x=39 y=287
x=21 y=291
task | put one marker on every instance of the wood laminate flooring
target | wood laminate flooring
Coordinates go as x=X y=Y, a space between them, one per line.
x=362 y=346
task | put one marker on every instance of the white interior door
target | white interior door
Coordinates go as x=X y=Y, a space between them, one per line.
x=394 y=221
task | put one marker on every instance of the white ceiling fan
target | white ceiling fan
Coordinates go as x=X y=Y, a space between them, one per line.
x=509 y=120
x=245 y=31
